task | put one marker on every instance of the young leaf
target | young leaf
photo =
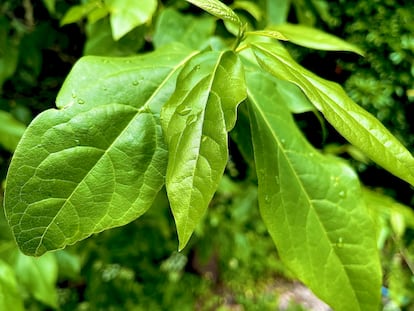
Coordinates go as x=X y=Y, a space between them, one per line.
x=353 y=122
x=195 y=122
x=314 y=38
x=312 y=207
x=218 y=9
x=100 y=160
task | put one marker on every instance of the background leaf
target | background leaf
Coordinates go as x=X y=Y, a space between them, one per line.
x=191 y=31
x=100 y=160
x=312 y=207
x=11 y=131
x=313 y=38
x=195 y=121
x=126 y=15
x=350 y=120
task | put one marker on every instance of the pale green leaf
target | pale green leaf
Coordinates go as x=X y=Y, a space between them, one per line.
x=218 y=9
x=100 y=160
x=195 y=122
x=11 y=131
x=189 y=30
x=314 y=38
x=78 y=12
x=10 y=297
x=312 y=207
x=38 y=276
x=354 y=123
x=126 y=15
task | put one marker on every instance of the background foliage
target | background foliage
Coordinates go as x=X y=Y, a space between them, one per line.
x=228 y=261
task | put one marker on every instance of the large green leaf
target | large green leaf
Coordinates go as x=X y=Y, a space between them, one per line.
x=195 y=121
x=189 y=30
x=313 y=38
x=38 y=276
x=353 y=122
x=312 y=207
x=98 y=161
x=126 y=15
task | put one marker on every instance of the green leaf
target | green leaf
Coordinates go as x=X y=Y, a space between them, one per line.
x=314 y=38
x=78 y=12
x=277 y=11
x=191 y=31
x=11 y=131
x=38 y=276
x=218 y=9
x=10 y=298
x=100 y=160
x=100 y=40
x=126 y=15
x=354 y=123
x=312 y=207
x=195 y=122
x=250 y=7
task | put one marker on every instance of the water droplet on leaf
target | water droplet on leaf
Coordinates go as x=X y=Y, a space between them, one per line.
x=267 y=199
x=342 y=194
x=340 y=242
x=135 y=82
x=192 y=119
x=204 y=139
x=197 y=67
x=81 y=101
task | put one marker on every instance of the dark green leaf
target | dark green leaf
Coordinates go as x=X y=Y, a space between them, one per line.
x=312 y=207
x=354 y=123
x=10 y=297
x=126 y=15
x=195 y=121
x=38 y=276
x=100 y=160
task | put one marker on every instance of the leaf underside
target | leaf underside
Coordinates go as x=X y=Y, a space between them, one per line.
x=311 y=205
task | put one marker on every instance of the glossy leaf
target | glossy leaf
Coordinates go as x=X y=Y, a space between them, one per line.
x=218 y=9
x=312 y=207
x=313 y=38
x=354 y=123
x=10 y=297
x=195 y=121
x=126 y=15
x=38 y=276
x=189 y=30
x=11 y=131
x=100 y=160
x=267 y=33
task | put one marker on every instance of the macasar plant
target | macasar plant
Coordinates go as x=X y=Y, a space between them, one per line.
x=127 y=127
